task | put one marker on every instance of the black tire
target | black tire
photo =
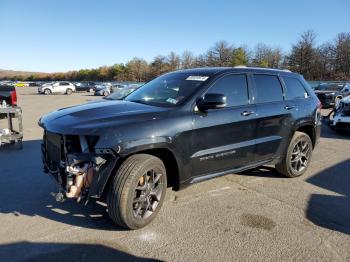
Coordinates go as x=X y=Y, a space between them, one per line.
x=289 y=165
x=91 y=90
x=69 y=91
x=123 y=195
x=105 y=93
x=47 y=91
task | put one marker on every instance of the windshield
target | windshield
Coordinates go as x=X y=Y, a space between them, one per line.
x=120 y=94
x=168 y=90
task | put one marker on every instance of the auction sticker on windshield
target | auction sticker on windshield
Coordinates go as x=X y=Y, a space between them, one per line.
x=197 y=78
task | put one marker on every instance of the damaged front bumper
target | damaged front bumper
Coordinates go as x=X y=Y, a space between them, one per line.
x=80 y=170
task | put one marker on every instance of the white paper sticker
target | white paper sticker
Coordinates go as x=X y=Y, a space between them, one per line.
x=197 y=78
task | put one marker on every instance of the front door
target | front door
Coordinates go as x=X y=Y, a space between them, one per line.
x=224 y=138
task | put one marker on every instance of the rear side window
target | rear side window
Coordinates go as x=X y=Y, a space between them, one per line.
x=294 y=88
x=268 y=88
x=234 y=87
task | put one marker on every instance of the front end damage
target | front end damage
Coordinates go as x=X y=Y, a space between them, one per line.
x=80 y=169
x=341 y=117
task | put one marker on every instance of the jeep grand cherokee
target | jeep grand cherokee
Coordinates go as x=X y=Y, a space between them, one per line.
x=180 y=128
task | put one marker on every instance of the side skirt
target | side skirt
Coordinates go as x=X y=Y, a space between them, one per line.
x=235 y=170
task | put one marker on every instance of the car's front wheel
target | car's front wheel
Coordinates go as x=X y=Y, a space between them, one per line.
x=69 y=91
x=137 y=191
x=47 y=91
x=298 y=156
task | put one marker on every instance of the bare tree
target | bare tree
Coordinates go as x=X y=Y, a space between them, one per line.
x=220 y=54
x=342 y=50
x=302 y=58
x=187 y=60
x=173 y=61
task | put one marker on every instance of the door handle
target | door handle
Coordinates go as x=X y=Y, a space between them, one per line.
x=289 y=107
x=247 y=113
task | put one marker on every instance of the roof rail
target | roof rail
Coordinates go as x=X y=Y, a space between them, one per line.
x=262 y=68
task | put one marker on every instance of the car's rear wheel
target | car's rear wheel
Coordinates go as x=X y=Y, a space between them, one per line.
x=105 y=93
x=137 y=191
x=69 y=91
x=91 y=90
x=298 y=156
x=47 y=91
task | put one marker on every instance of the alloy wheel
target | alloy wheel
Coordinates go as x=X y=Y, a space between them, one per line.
x=148 y=194
x=300 y=156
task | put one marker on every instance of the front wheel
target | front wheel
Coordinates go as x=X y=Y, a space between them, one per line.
x=298 y=156
x=69 y=91
x=137 y=191
x=47 y=91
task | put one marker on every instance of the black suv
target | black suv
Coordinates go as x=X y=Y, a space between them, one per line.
x=180 y=128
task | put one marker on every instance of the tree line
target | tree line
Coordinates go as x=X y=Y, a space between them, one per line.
x=327 y=61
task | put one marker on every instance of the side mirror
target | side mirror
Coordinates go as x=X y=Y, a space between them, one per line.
x=211 y=101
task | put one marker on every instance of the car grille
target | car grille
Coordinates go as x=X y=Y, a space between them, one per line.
x=53 y=149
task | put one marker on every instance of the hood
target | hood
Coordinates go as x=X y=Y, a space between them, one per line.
x=93 y=118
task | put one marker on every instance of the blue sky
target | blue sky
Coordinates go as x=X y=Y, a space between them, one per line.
x=51 y=36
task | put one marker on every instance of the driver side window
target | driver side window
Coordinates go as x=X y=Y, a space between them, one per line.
x=234 y=87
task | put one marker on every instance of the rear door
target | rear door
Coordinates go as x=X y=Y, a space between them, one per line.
x=224 y=138
x=63 y=87
x=275 y=116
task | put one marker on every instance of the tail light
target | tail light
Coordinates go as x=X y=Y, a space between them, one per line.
x=13 y=98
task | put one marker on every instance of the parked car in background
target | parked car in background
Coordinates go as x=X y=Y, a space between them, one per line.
x=328 y=93
x=120 y=94
x=33 y=84
x=8 y=94
x=341 y=117
x=21 y=84
x=85 y=87
x=103 y=89
x=57 y=87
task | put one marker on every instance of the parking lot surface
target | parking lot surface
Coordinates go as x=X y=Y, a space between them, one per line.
x=254 y=215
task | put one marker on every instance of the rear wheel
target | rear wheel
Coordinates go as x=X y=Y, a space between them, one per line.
x=105 y=93
x=298 y=156
x=69 y=91
x=47 y=91
x=137 y=192
x=91 y=90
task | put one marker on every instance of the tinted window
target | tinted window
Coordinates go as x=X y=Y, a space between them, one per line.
x=268 y=87
x=234 y=87
x=294 y=88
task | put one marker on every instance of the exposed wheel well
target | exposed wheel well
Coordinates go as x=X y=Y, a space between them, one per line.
x=170 y=163
x=310 y=131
